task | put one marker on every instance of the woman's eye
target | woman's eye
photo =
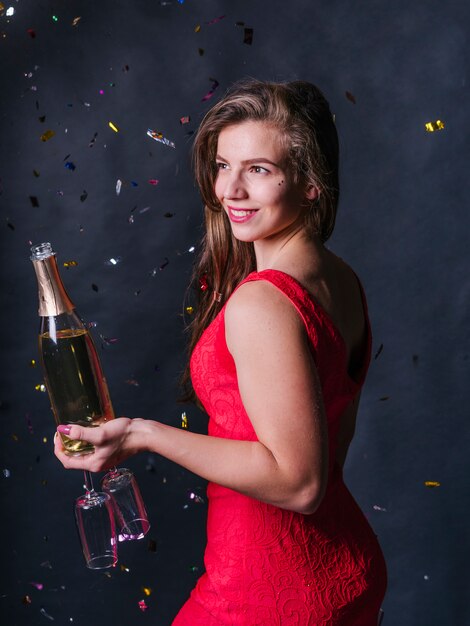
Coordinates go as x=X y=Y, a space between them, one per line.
x=257 y=169
x=221 y=166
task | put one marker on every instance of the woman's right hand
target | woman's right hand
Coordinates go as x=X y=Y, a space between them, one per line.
x=113 y=441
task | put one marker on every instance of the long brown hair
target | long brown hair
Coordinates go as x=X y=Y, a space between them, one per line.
x=301 y=114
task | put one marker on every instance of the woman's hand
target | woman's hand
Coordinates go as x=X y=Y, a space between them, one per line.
x=113 y=442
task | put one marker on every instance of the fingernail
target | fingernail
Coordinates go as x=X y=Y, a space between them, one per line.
x=64 y=429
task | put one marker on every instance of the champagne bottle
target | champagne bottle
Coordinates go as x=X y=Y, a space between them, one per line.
x=72 y=371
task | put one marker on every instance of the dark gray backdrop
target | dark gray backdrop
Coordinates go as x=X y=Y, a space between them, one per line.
x=403 y=225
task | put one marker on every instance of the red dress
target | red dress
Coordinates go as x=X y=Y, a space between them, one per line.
x=266 y=566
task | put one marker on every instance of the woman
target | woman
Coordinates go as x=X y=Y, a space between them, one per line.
x=279 y=351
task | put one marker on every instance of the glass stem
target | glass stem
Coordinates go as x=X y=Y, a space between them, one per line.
x=88 y=482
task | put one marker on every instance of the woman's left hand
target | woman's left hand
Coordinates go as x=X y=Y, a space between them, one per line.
x=112 y=441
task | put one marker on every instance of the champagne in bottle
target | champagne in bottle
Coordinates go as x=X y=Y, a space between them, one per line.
x=72 y=371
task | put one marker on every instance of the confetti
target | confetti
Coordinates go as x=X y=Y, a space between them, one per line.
x=189 y=310
x=125 y=569
x=113 y=127
x=147 y=590
x=159 y=137
x=84 y=196
x=197 y=499
x=153 y=181
x=41 y=387
x=70 y=166
x=36 y=173
x=68 y=264
x=94 y=287
x=215 y=20
x=350 y=97
x=203 y=284
x=92 y=142
x=168 y=215
x=108 y=340
x=47 y=135
x=118 y=186
x=113 y=261
x=76 y=20
x=32 y=363
x=210 y=93
x=197 y=28
x=55 y=18
x=185 y=119
x=46 y=564
x=193 y=568
x=383 y=398
x=376 y=507
x=164 y=264
x=184 y=420
x=201 y=51
x=10 y=11
x=248 y=36
x=381 y=347
x=191 y=249
x=433 y=126
x=39 y=586
x=432 y=483
x=6 y=473
x=27 y=600
x=142 y=605
x=133 y=382
x=31 y=32
x=43 y=611
x=34 y=201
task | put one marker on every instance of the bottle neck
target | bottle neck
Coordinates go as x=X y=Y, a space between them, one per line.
x=53 y=299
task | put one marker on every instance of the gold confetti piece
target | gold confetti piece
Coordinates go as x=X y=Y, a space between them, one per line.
x=189 y=310
x=33 y=363
x=198 y=28
x=432 y=483
x=44 y=440
x=15 y=437
x=113 y=127
x=41 y=387
x=2 y=6
x=184 y=420
x=47 y=135
x=124 y=569
x=70 y=263
x=432 y=126
x=147 y=590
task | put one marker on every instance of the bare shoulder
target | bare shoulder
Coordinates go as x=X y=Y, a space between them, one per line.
x=260 y=309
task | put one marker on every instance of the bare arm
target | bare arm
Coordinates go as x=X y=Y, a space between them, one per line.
x=281 y=394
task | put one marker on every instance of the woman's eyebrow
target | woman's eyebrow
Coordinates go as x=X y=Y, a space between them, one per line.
x=251 y=161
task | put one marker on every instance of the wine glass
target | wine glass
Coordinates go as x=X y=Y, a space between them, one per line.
x=128 y=503
x=96 y=526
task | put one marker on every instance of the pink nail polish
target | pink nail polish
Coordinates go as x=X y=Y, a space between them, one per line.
x=64 y=429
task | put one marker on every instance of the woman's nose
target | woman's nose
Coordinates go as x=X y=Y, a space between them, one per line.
x=234 y=187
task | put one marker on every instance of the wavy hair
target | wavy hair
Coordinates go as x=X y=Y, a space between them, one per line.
x=301 y=114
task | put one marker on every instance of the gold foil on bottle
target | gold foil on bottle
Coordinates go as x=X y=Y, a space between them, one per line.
x=53 y=299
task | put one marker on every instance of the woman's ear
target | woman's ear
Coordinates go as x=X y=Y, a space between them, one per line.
x=312 y=192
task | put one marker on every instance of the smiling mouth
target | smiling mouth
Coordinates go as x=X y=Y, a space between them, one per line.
x=240 y=216
x=242 y=212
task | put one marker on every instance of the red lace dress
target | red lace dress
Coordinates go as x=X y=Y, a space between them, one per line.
x=266 y=566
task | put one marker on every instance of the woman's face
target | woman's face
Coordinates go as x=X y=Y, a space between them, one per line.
x=255 y=184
